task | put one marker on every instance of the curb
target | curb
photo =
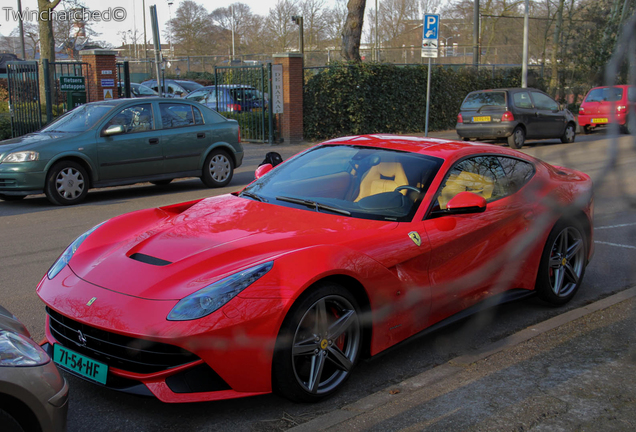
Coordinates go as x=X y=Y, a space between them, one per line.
x=379 y=399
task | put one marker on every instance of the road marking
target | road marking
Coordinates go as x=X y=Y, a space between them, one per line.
x=616 y=226
x=615 y=244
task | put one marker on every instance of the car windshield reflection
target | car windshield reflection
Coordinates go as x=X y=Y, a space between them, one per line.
x=363 y=182
x=80 y=119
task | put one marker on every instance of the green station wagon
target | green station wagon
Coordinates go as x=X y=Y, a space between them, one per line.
x=120 y=142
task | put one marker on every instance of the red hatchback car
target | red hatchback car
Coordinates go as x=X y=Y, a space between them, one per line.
x=340 y=252
x=606 y=105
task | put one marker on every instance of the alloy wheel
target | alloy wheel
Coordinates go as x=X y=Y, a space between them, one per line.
x=325 y=344
x=566 y=262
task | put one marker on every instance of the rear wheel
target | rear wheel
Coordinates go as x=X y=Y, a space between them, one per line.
x=218 y=169
x=318 y=345
x=66 y=183
x=517 y=138
x=562 y=263
x=569 y=134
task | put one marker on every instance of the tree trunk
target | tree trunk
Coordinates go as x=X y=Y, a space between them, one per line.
x=352 y=32
x=554 y=79
x=47 y=41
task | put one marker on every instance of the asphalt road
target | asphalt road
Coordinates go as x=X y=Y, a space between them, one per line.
x=33 y=233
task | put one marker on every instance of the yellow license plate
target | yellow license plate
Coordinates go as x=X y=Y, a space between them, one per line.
x=481 y=119
x=599 y=120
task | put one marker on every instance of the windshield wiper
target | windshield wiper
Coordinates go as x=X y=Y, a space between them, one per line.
x=253 y=196
x=313 y=204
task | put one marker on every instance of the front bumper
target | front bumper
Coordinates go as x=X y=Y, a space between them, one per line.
x=588 y=119
x=18 y=179
x=231 y=349
x=485 y=131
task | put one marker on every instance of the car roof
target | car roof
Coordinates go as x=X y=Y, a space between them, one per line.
x=122 y=101
x=506 y=89
x=229 y=86
x=441 y=148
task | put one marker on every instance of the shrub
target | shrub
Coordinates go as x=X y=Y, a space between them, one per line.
x=350 y=99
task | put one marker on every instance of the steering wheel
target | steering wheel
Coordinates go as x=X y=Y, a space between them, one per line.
x=413 y=188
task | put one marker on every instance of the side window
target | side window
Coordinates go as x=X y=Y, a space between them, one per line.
x=522 y=100
x=544 y=102
x=518 y=173
x=631 y=94
x=176 y=115
x=481 y=175
x=198 y=118
x=137 y=118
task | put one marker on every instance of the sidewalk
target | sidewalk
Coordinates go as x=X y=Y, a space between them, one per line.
x=576 y=371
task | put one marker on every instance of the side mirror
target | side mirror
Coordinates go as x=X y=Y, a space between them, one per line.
x=114 y=130
x=262 y=170
x=465 y=203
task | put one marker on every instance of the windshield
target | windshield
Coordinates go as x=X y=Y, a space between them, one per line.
x=189 y=85
x=606 y=94
x=363 y=182
x=475 y=101
x=79 y=119
x=142 y=90
x=199 y=96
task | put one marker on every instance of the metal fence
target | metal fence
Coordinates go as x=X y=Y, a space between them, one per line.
x=24 y=97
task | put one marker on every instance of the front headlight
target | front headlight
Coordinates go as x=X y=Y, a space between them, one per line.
x=23 y=156
x=212 y=297
x=68 y=253
x=19 y=350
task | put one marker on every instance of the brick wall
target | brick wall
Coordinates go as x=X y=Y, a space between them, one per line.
x=291 y=120
x=100 y=60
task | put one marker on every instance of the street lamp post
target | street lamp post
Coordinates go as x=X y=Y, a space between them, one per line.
x=170 y=3
x=298 y=19
x=377 y=48
x=446 y=45
x=21 y=26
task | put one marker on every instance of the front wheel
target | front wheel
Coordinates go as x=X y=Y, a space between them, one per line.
x=218 y=169
x=569 y=134
x=66 y=183
x=562 y=263
x=318 y=345
x=517 y=138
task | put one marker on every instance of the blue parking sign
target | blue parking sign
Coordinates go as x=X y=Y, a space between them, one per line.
x=431 y=26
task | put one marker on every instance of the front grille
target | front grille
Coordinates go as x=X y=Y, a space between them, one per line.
x=122 y=352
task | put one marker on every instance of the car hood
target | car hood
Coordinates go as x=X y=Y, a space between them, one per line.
x=169 y=253
x=31 y=141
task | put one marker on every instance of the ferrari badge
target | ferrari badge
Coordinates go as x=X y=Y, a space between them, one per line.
x=91 y=301
x=416 y=238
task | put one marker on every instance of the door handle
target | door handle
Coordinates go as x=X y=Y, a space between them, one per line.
x=201 y=135
x=153 y=141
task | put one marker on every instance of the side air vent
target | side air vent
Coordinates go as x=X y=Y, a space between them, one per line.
x=149 y=259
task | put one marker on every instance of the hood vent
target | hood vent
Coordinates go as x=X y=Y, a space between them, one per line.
x=149 y=259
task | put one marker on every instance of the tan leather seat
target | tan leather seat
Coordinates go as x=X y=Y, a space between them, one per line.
x=384 y=177
x=465 y=181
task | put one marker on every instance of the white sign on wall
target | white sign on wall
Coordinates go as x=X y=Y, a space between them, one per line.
x=277 y=89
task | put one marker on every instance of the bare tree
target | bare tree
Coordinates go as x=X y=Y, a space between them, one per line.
x=193 y=30
x=335 y=19
x=314 y=16
x=31 y=38
x=283 y=31
x=237 y=17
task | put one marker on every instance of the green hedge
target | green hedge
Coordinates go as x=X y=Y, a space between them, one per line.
x=352 y=99
x=5 y=127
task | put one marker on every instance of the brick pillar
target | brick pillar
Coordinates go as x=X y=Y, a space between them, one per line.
x=102 y=69
x=292 y=117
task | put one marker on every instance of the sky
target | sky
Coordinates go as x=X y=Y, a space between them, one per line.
x=129 y=15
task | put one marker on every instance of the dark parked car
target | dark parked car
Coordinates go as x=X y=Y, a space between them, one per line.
x=174 y=88
x=33 y=394
x=137 y=91
x=514 y=114
x=120 y=142
x=230 y=98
